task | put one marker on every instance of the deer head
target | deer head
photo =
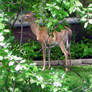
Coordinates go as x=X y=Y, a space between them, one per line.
x=29 y=17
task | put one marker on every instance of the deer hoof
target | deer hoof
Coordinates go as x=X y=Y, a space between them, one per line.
x=70 y=68
x=66 y=70
x=49 y=67
x=43 y=68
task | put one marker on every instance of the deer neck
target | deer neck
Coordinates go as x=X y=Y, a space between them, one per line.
x=34 y=26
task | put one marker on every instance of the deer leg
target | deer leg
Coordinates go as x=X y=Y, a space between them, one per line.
x=49 y=58
x=65 y=54
x=69 y=58
x=43 y=48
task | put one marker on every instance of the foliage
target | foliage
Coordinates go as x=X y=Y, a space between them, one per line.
x=11 y=66
x=79 y=79
x=86 y=15
x=33 y=50
x=26 y=50
x=49 y=12
x=52 y=12
x=18 y=75
x=84 y=51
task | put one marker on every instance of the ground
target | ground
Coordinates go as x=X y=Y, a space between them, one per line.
x=79 y=79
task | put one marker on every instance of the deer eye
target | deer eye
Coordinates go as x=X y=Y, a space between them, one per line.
x=27 y=16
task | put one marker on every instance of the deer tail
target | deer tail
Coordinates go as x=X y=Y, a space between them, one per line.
x=68 y=39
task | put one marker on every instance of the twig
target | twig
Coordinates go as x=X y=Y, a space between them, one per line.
x=18 y=13
x=13 y=85
x=17 y=16
x=21 y=36
x=30 y=85
x=7 y=80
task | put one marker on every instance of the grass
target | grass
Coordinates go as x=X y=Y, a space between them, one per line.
x=79 y=79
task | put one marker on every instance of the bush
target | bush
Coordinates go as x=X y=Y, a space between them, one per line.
x=19 y=75
x=32 y=50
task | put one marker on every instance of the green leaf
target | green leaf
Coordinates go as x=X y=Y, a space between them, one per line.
x=49 y=24
x=85 y=25
x=59 y=28
x=71 y=9
x=83 y=19
x=59 y=1
x=2 y=26
x=90 y=5
x=55 y=21
x=90 y=21
x=90 y=9
x=57 y=7
x=78 y=3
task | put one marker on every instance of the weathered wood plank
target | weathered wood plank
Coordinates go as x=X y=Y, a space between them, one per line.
x=74 y=62
x=73 y=20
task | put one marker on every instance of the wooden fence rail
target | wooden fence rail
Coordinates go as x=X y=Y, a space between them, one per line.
x=74 y=62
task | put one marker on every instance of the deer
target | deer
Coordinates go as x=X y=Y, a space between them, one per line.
x=61 y=38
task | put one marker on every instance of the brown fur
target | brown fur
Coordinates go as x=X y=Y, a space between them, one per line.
x=43 y=37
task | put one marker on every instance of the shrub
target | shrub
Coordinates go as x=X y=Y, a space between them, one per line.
x=18 y=75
